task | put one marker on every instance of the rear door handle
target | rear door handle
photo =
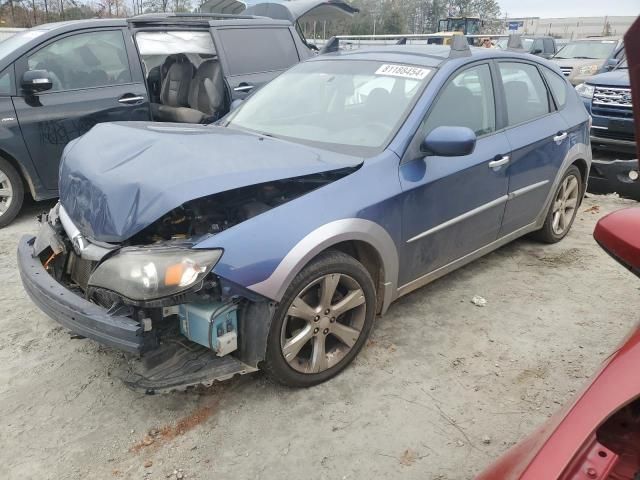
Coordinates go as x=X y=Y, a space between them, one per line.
x=244 y=87
x=128 y=99
x=500 y=162
x=560 y=137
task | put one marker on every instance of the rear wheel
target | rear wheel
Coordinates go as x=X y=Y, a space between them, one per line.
x=11 y=192
x=563 y=209
x=322 y=322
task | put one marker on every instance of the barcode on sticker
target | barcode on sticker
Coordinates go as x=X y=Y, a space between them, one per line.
x=405 y=71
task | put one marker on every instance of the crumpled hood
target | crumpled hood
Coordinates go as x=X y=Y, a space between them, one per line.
x=615 y=78
x=121 y=177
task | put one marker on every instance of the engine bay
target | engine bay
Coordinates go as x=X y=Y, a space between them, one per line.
x=213 y=214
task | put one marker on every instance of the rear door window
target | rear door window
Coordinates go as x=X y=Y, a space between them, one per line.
x=253 y=50
x=86 y=60
x=525 y=92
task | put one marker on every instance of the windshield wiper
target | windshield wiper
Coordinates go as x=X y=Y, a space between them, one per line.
x=585 y=58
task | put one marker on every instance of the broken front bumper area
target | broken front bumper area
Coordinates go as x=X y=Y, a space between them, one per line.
x=72 y=311
x=172 y=365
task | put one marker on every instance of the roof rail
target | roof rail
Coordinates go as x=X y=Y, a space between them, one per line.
x=514 y=44
x=459 y=47
x=192 y=16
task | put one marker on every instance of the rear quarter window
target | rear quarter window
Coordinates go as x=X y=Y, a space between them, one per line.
x=253 y=50
x=558 y=86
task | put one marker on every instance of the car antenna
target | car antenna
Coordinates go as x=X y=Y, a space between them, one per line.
x=333 y=45
x=514 y=43
x=402 y=41
x=459 y=47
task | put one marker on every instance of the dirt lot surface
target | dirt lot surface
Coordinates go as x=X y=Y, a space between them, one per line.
x=442 y=388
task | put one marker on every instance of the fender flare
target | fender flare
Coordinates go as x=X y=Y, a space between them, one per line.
x=579 y=151
x=324 y=237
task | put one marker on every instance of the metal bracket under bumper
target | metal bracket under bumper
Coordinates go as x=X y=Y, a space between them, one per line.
x=72 y=311
x=177 y=365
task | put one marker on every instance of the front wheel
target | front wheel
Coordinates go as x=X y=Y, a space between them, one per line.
x=322 y=323
x=11 y=193
x=563 y=209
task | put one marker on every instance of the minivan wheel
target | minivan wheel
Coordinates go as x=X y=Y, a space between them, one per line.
x=563 y=209
x=11 y=193
x=323 y=321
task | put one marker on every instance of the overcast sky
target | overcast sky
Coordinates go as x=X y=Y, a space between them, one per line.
x=569 y=8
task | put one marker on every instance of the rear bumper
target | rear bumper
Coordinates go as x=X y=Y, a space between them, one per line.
x=613 y=176
x=72 y=311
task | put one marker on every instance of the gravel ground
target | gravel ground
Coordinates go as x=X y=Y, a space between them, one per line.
x=442 y=388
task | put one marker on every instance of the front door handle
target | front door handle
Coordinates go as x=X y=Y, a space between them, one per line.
x=130 y=99
x=244 y=87
x=560 y=137
x=499 y=162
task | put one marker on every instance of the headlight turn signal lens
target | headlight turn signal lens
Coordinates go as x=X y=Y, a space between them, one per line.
x=585 y=90
x=143 y=274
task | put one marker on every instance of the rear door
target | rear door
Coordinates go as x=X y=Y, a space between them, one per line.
x=453 y=206
x=96 y=78
x=539 y=140
x=253 y=56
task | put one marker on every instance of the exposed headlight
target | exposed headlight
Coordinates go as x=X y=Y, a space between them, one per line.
x=589 y=69
x=585 y=90
x=151 y=273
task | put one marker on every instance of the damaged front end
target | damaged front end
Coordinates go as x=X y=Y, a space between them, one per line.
x=155 y=294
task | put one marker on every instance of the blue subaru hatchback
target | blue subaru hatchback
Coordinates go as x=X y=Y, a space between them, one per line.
x=273 y=239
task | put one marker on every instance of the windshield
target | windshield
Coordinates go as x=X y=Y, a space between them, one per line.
x=336 y=104
x=19 y=39
x=600 y=49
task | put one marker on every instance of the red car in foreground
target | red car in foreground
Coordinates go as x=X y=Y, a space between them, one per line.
x=598 y=436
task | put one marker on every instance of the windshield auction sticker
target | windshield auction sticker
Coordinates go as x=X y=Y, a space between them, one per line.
x=404 y=71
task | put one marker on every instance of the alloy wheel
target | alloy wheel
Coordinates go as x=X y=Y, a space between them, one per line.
x=565 y=204
x=323 y=323
x=6 y=193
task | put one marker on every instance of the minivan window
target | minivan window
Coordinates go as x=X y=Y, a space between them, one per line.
x=252 y=50
x=466 y=101
x=558 y=86
x=86 y=60
x=525 y=92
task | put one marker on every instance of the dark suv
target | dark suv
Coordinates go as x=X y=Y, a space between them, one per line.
x=59 y=80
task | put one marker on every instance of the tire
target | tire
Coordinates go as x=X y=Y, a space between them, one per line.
x=11 y=184
x=328 y=340
x=550 y=233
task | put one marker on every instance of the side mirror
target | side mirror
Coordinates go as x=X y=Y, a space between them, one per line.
x=610 y=64
x=449 y=142
x=35 y=81
x=235 y=104
x=537 y=51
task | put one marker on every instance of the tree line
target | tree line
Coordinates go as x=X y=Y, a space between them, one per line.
x=376 y=16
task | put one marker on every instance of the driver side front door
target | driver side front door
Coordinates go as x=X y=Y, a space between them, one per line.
x=453 y=206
